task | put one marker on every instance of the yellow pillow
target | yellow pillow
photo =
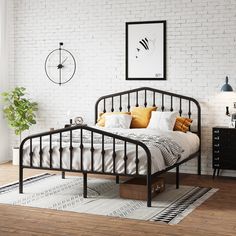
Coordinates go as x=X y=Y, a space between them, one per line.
x=141 y=116
x=101 y=119
x=182 y=124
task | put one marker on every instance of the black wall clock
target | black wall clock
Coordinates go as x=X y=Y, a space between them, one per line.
x=60 y=65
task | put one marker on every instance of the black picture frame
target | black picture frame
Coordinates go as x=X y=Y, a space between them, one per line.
x=134 y=67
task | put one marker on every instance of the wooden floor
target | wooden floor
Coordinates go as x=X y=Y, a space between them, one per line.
x=217 y=216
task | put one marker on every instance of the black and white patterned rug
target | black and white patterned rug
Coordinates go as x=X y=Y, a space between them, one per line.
x=53 y=192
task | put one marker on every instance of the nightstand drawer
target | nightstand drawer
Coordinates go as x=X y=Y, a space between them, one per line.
x=216 y=151
x=216 y=131
x=216 y=145
x=216 y=159
x=216 y=137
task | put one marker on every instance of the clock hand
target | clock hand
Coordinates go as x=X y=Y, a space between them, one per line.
x=60 y=77
x=64 y=60
x=61 y=64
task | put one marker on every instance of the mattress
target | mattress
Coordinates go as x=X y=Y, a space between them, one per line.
x=189 y=143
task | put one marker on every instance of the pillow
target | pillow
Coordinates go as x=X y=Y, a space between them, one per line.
x=182 y=124
x=141 y=116
x=118 y=121
x=101 y=119
x=164 y=120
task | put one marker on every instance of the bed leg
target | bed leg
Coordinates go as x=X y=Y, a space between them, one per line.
x=149 y=191
x=117 y=179
x=85 y=185
x=63 y=174
x=21 y=175
x=20 y=179
x=199 y=164
x=177 y=177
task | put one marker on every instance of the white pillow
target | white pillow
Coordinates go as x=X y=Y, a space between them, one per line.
x=164 y=120
x=118 y=121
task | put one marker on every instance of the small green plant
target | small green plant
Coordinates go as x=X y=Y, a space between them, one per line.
x=19 y=110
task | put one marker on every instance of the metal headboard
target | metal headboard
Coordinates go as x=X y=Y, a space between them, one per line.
x=136 y=92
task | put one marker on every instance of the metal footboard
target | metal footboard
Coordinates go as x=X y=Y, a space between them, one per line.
x=92 y=131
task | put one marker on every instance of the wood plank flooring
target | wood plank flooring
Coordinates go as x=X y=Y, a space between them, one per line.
x=217 y=216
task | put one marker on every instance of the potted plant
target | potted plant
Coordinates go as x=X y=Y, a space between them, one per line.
x=20 y=114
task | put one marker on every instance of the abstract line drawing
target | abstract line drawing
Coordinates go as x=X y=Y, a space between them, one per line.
x=147 y=46
x=144 y=43
x=145 y=50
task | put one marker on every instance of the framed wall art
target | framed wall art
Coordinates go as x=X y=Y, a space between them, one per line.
x=146 y=50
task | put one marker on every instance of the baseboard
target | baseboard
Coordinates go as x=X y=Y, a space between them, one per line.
x=4 y=162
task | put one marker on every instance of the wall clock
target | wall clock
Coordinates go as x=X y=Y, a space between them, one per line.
x=60 y=65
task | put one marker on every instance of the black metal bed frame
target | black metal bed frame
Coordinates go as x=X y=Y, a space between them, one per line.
x=149 y=176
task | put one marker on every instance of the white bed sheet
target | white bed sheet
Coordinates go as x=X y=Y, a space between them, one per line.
x=188 y=141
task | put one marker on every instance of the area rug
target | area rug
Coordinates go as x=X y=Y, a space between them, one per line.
x=53 y=192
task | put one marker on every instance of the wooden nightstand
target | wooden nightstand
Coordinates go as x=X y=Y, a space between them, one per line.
x=224 y=149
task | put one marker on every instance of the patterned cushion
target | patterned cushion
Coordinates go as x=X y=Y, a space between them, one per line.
x=141 y=116
x=182 y=124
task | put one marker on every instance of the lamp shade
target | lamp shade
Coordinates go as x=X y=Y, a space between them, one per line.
x=226 y=87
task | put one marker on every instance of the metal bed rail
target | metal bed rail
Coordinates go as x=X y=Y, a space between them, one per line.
x=92 y=131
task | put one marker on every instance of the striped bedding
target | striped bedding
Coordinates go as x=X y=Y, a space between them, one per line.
x=166 y=149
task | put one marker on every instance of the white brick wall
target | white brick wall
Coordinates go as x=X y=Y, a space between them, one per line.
x=201 y=51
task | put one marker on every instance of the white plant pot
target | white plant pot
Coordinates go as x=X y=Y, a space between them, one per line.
x=16 y=156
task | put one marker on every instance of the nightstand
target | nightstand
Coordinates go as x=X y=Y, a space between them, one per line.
x=224 y=149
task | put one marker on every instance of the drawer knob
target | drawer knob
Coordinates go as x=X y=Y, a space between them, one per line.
x=216 y=131
x=217 y=138
x=216 y=151
x=216 y=145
